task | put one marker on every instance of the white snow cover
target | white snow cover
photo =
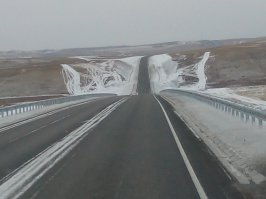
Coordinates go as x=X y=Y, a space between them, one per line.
x=163 y=72
x=200 y=69
x=229 y=94
x=166 y=74
x=240 y=146
x=117 y=76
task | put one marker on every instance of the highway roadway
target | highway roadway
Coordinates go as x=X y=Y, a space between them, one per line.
x=128 y=147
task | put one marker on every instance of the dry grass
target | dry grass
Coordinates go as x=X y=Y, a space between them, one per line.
x=257 y=92
x=32 y=77
x=234 y=65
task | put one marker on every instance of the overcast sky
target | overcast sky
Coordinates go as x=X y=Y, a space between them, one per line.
x=53 y=24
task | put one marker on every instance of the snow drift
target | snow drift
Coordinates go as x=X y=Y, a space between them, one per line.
x=166 y=73
x=113 y=76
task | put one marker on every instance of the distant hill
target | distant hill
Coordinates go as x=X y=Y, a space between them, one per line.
x=148 y=49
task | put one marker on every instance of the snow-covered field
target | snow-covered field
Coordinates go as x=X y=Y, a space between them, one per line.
x=117 y=76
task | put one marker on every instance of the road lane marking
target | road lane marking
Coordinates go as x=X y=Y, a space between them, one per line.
x=19 y=181
x=193 y=176
x=35 y=130
x=179 y=115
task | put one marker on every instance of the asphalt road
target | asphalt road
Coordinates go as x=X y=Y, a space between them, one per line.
x=144 y=86
x=132 y=153
x=21 y=143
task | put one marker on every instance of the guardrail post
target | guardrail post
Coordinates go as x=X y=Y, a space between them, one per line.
x=253 y=119
x=233 y=112
x=247 y=117
x=242 y=115
x=260 y=122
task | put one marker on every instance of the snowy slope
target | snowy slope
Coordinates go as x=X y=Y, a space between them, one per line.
x=166 y=74
x=117 y=76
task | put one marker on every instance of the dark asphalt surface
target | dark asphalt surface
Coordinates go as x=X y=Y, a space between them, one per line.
x=144 y=86
x=130 y=155
x=20 y=144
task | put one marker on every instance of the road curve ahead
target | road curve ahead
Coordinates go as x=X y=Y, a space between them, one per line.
x=137 y=149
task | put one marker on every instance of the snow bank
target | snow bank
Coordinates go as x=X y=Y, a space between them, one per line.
x=117 y=76
x=166 y=74
x=163 y=72
x=200 y=68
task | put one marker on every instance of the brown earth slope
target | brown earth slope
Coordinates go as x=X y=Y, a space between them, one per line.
x=20 y=77
x=232 y=66
x=241 y=65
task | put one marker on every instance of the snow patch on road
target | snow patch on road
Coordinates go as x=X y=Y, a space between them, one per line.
x=117 y=76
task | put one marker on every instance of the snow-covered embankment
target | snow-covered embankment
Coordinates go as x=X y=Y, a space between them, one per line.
x=166 y=74
x=238 y=145
x=117 y=76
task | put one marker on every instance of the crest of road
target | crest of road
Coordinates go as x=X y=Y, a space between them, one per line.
x=140 y=150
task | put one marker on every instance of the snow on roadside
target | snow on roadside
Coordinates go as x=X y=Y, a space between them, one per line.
x=35 y=114
x=166 y=73
x=200 y=68
x=117 y=76
x=239 y=146
x=230 y=94
x=163 y=72
x=72 y=79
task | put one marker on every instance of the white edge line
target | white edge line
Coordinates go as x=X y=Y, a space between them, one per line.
x=193 y=176
x=179 y=115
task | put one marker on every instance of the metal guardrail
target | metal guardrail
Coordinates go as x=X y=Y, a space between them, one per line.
x=22 y=108
x=238 y=110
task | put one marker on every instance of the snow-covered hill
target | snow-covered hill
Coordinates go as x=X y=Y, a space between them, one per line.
x=166 y=73
x=112 y=76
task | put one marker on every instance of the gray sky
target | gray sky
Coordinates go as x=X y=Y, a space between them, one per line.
x=53 y=24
